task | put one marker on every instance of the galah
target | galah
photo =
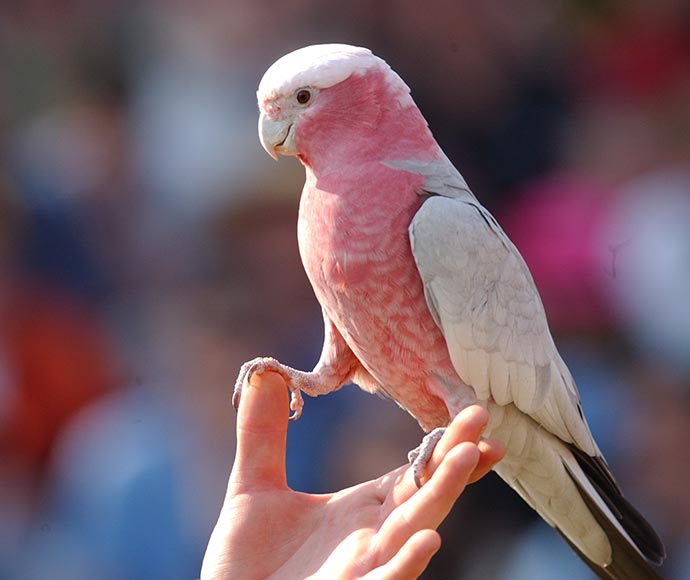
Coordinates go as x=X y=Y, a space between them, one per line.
x=426 y=300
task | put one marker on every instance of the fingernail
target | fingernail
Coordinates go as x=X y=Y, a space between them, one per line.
x=485 y=445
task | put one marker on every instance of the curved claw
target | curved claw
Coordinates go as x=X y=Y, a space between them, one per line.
x=296 y=404
x=256 y=365
x=419 y=457
x=260 y=365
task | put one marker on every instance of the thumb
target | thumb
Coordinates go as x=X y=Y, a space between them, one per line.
x=261 y=433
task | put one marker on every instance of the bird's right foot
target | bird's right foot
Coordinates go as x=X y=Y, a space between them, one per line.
x=261 y=365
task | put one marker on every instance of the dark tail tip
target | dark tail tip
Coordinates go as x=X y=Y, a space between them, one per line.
x=638 y=528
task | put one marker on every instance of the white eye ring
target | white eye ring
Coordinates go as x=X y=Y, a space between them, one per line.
x=303 y=96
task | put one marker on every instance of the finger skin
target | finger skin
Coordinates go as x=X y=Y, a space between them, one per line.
x=261 y=434
x=427 y=508
x=468 y=425
x=492 y=451
x=412 y=558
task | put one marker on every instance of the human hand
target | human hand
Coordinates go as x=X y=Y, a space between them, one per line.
x=384 y=529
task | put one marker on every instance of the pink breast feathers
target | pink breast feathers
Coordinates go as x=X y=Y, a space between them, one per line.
x=363 y=273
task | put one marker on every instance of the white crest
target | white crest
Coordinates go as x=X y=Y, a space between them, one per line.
x=320 y=66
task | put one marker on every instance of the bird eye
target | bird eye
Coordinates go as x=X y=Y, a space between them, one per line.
x=303 y=96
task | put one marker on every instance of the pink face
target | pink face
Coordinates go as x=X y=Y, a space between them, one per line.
x=334 y=104
x=363 y=117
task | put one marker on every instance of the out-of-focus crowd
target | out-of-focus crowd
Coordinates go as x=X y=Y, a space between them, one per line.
x=148 y=247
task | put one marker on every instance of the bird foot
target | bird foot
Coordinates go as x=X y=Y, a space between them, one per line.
x=261 y=365
x=419 y=456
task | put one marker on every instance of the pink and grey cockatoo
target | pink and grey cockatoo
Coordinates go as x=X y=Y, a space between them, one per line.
x=427 y=301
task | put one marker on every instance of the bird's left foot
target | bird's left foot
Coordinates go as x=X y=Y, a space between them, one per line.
x=419 y=456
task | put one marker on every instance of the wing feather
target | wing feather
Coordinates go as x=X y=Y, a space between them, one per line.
x=484 y=300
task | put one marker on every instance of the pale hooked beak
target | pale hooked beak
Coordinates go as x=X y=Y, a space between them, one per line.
x=275 y=136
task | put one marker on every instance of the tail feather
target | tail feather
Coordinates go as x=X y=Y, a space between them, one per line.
x=577 y=495
x=637 y=527
x=627 y=563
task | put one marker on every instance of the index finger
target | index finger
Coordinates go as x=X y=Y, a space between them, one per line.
x=467 y=426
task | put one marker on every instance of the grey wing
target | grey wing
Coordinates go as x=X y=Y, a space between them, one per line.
x=483 y=298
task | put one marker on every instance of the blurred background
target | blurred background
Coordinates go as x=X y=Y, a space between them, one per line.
x=148 y=248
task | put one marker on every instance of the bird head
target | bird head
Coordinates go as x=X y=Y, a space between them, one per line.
x=340 y=85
